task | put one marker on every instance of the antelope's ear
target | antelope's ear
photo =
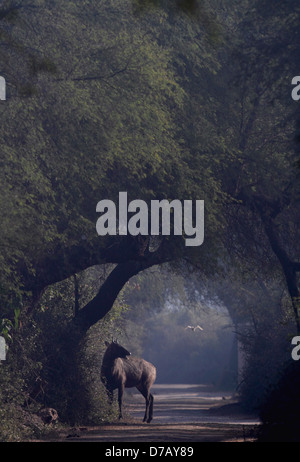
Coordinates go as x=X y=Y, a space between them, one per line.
x=106 y=343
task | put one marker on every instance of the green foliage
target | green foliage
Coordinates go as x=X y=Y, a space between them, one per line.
x=161 y=104
x=267 y=349
x=46 y=349
x=108 y=120
x=71 y=364
x=20 y=370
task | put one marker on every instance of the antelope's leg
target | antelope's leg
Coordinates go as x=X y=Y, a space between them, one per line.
x=146 y=395
x=150 y=417
x=120 y=399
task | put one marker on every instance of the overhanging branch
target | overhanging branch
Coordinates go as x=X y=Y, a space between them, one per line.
x=102 y=303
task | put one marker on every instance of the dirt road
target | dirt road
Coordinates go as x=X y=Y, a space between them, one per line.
x=182 y=413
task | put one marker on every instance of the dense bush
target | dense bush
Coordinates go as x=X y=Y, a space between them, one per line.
x=72 y=362
x=267 y=351
x=280 y=409
x=47 y=365
x=20 y=369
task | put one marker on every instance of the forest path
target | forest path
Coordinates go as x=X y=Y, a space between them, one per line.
x=182 y=413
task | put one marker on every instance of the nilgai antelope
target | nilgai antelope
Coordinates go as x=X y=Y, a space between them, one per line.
x=121 y=370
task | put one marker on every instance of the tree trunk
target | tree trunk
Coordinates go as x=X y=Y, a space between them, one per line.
x=68 y=389
x=101 y=304
x=268 y=210
x=289 y=267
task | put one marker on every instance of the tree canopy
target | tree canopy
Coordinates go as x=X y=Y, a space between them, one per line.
x=104 y=118
x=154 y=100
x=187 y=100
